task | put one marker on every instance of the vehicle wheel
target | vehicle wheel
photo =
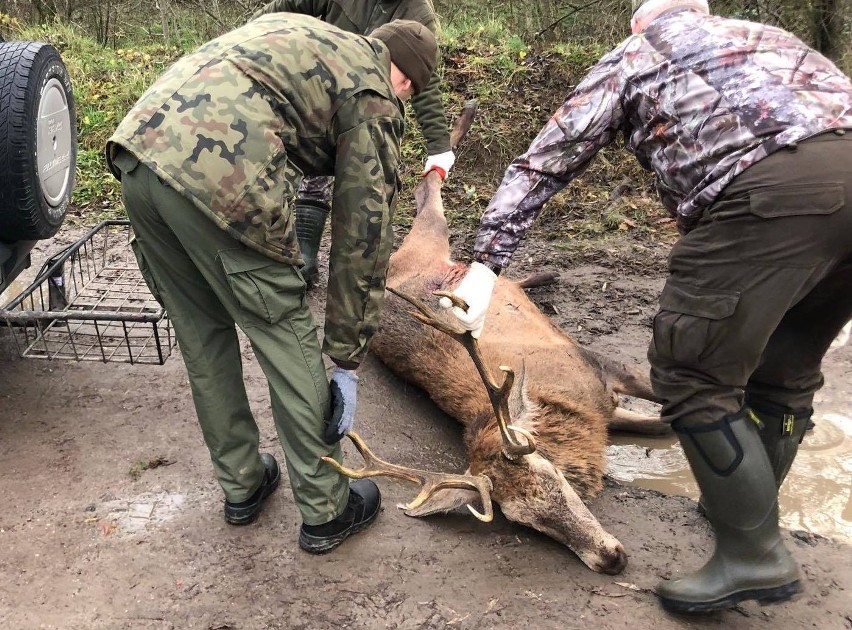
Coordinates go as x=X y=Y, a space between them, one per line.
x=38 y=141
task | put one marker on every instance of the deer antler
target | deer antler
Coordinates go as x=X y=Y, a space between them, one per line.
x=497 y=394
x=430 y=482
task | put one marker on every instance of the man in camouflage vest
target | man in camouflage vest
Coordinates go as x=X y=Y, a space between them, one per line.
x=209 y=159
x=364 y=16
x=748 y=133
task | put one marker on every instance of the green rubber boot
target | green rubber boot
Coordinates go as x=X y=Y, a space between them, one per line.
x=738 y=485
x=310 y=222
x=781 y=432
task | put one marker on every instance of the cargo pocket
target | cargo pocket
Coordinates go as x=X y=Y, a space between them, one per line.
x=263 y=288
x=797 y=200
x=792 y=226
x=690 y=324
x=145 y=270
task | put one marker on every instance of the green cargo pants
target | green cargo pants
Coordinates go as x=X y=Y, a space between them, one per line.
x=760 y=288
x=209 y=282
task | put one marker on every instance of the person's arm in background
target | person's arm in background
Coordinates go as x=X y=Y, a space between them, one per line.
x=368 y=130
x=428 y=105
x=585 y=123
x=429 y=111
x=316 y=8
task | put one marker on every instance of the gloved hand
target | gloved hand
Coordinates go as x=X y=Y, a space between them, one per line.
x=442 y=163
x=344 y=393
x=475 y=288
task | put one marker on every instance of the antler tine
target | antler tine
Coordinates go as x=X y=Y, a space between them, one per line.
x=499 y=397
x=497 y=394
x=429 y=317
x=430 y=482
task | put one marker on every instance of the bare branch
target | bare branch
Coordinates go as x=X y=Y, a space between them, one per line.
x=574 y=9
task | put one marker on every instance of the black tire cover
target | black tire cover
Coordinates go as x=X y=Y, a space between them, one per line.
x=38 y=141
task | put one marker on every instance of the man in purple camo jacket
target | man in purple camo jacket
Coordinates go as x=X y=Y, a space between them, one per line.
x=749 y=134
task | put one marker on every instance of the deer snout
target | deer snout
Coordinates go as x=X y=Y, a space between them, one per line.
x=543 y=499
x=611 y=560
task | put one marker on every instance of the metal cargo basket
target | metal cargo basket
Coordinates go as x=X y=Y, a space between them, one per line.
x=90 y=303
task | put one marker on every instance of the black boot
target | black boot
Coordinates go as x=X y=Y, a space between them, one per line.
x=738 y=485
x=310 y=222
x=361 y=510
x=245 y=512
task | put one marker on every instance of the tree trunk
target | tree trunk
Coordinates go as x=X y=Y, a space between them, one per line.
x=828 y=27
x=164 y=18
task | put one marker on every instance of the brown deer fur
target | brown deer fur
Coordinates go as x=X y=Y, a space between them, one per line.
x=564 y=394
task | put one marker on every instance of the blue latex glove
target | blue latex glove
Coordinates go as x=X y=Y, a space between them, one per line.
x=344 y=394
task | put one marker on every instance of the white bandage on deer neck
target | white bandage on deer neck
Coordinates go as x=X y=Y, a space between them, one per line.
x=650 y=10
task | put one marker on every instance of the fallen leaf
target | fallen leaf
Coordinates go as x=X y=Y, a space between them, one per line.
x=107 y=527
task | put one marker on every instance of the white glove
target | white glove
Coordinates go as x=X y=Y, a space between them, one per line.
x=442 y=163
x=475 y=288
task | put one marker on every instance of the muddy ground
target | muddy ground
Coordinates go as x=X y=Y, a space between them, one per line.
x=112 y=518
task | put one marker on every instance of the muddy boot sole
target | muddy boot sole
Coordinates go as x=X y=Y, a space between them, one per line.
x=319 y=546
x=763 y=596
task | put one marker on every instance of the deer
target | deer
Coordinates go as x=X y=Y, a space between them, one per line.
x=536 y=442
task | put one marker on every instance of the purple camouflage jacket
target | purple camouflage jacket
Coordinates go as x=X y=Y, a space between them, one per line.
x=698 y=98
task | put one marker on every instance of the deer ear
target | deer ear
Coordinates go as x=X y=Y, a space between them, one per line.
x=446 y=500
x=519 y=401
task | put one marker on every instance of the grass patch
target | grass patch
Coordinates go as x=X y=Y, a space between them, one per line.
x=518 y=84
x=141 y=466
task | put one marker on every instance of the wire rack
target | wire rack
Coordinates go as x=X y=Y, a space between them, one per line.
x=90 y=303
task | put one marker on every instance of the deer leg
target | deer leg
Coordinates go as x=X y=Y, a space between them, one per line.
x=539 y=279
x=429 y=238
x=632 y=422
x=621 y=378
x=428 y=241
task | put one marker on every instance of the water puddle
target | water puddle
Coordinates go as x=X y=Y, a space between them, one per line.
x=816 y=496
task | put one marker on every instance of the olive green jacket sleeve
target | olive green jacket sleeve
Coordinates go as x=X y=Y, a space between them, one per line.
x=429 y=111
x=365 y=193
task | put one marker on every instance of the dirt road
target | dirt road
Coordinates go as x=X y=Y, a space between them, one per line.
x=112 y=517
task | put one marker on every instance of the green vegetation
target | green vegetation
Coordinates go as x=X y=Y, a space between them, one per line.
x=518 y=60
x=142 y=465
x=516 y=84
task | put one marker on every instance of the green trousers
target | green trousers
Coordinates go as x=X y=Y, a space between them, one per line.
x=759 y=289
x=210 y=283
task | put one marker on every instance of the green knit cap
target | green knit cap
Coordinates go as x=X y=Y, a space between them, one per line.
x=412 y=48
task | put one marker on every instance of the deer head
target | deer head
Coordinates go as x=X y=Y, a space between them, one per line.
x=531 y=488
x=528 y=484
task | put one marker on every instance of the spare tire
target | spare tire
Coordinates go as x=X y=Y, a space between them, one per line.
x=38 y=141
